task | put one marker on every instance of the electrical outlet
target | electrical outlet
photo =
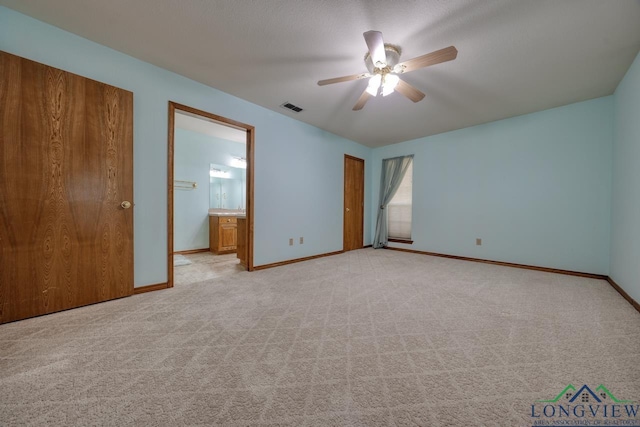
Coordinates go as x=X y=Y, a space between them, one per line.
x=301 y=240
x=291 y=242
x=478 y=242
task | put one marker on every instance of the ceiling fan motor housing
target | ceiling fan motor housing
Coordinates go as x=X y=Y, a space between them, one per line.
x=392 y=53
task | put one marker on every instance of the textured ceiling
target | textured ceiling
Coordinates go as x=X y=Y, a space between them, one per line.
x=515 y=57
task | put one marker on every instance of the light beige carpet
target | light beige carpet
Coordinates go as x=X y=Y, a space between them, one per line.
x=366 y=338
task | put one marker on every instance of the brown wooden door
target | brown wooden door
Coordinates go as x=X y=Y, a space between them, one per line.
x=65 y=168
x=353 y=203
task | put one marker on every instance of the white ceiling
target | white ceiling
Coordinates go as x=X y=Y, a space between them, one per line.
x=515 y=56
x=199 y=124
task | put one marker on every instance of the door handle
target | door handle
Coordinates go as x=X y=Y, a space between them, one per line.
x=347 y=209
x=125 y=205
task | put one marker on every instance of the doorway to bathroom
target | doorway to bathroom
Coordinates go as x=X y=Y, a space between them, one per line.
x=210 y=196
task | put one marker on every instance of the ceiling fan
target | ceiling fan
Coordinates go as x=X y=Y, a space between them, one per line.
x=382 y=62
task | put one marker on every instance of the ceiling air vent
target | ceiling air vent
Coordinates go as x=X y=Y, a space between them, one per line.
x=290 y=106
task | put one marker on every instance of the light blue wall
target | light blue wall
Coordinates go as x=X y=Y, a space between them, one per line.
x=536 y=188
x=298 y=168
x=193 y=154
x=625 y=214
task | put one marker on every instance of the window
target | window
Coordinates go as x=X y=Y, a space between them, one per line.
x=399 y=209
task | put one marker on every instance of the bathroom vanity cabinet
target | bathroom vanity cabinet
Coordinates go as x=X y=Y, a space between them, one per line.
x=223 y=234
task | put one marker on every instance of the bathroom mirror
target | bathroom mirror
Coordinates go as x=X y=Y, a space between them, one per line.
x=227 y=186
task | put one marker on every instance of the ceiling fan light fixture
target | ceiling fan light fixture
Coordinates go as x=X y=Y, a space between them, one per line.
x=374 y=84
x=389 y=84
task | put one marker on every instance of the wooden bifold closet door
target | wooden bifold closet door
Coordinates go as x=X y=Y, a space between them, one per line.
x=66 y=188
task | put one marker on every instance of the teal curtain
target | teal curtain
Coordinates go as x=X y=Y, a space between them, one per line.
x=393 y=171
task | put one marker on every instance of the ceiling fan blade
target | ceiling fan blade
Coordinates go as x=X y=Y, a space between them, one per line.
x=442 y=55
x=409 y=91
x=361 y=101
x=344 y=79
x=375 y=43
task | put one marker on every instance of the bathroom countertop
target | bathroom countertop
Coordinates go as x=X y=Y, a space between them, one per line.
x=227 y=212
